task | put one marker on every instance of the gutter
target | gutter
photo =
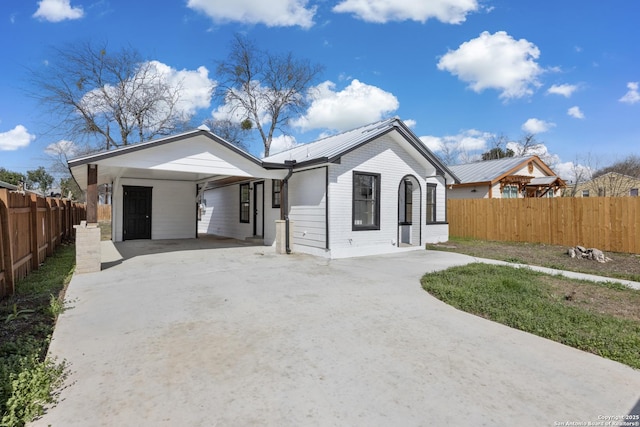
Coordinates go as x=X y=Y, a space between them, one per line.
x=285 y=202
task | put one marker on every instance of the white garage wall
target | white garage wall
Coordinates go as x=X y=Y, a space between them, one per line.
x=173 y=208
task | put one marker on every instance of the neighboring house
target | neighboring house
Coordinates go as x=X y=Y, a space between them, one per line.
x=8 y=186
x=369 y=190
x=509 y=177
x=611 y=184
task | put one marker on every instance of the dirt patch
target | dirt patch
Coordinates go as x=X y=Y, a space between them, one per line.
x=597 y=298
x=621 y=266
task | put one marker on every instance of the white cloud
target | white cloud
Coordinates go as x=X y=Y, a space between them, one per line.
x=570 y=172
x=355 y=105
x=18 y=137
x=565 y=90
x=632 y=96
x=63 y=147
x=575 y=112
x=195 y=86
x=537 y=126
x=495 y=61
x=538 y=149
x=281 y=143
x=57 y=10
x=381 y=11
x=460 y=148
x=273 y=13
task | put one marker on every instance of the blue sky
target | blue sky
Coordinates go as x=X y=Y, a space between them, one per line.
x=459 y=72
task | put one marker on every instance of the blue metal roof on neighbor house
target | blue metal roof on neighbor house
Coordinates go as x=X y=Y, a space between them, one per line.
x=487 y=170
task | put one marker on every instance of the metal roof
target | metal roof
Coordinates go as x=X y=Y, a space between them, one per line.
x=332 y=146
x=8 y=186
x=543 y=180
x=487 y=170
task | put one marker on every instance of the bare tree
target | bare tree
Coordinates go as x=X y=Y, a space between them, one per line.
x=498 y=150
x=448 y=154
x=629 y=166
x=527 y=145
x=228 y=130
x=265 y=90
x=113 y=98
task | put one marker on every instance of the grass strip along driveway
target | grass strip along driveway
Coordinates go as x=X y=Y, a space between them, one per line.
x=600 y=318
x=27 y=379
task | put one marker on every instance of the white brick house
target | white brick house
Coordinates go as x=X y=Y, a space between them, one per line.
x=374 y=189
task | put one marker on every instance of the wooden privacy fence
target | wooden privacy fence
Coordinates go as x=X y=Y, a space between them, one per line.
x=31 y=227
x=104 y=213
x=607 y=223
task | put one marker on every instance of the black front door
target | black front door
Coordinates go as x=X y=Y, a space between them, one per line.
x=136 y=213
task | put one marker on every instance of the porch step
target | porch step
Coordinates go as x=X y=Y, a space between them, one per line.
x=255 y=239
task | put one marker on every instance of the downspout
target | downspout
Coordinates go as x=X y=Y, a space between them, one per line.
x=285 y=203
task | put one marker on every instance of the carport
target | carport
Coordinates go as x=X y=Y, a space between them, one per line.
x=156 y=185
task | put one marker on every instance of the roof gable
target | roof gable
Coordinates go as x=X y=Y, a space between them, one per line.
x=194 y=156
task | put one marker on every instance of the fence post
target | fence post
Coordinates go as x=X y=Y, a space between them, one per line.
x=49 y=221
x=7 y=242
x=33 y=235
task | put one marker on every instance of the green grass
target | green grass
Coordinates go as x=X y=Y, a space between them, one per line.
x=28 y=380
x=525 y=300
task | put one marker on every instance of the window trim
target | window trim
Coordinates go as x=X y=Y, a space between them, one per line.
x=510 y=187
x=274 y=192
x=246 y=220
x=435 y=203
x=377 y=180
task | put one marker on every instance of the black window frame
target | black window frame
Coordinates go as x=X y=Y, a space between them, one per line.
x=356 y=189
x=408 y=202
x=276 y=203
x=432 y=204
x=245 y=205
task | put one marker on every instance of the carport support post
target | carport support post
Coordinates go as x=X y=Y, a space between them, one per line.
x=92 y=194
x=88 y=253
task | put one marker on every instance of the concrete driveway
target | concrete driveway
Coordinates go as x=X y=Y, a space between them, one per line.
x=240 y=336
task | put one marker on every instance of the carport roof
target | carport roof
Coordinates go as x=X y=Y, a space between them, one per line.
x=197 y=156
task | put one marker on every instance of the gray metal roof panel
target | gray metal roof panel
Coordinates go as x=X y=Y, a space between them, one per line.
x=543 y=180
x=333 y=145
x=487 y=170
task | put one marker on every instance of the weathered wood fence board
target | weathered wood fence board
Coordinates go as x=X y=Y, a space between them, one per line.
x=607 y=223
x=104 y=213
x=31 y=228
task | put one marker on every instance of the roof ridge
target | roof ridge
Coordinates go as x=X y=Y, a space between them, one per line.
x=374 y=125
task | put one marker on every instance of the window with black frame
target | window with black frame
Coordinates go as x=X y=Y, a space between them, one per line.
x=366 y=201
x=276 y=188
x=431 y=203
x=245 y=197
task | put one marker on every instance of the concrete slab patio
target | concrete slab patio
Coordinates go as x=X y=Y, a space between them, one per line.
x=179 y=333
